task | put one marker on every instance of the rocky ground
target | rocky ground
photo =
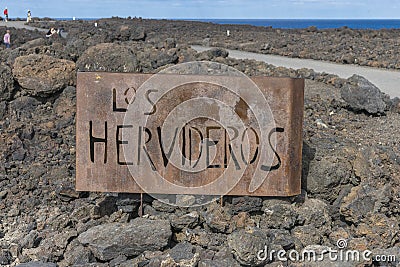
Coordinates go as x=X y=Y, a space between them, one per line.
x=376 y=48
x=351 y=164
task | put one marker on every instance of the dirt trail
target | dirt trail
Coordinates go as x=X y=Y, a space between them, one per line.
x=20 y=25
x=386 y=80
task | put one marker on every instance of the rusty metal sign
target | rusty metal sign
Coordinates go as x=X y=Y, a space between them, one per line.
x=189 y=134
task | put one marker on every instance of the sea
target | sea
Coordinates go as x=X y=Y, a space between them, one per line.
x=374 y=24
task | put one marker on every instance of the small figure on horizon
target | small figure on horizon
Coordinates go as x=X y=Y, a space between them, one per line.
x=7 y=39
x=228 y=33
x=29 y=17
x=6 y=13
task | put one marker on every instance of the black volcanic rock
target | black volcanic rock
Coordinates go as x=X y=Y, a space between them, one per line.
x=108 y=57
x=246 y=244
x=6 y=82
x=362 y=95
x=110 y=240
x=37 y=264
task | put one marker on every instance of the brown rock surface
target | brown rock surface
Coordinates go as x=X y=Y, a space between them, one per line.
x=43 y=75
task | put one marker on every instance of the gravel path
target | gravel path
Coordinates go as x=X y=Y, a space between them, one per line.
x=387 y=81
x=22 y=25
x=19 y=25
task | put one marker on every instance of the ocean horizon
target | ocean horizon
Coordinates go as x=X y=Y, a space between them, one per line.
x=373 y=24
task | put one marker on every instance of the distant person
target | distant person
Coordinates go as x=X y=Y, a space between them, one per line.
x=6 y=13
x=7 y=39
x=59 y=31
x=51 y=32
x=29 y=17
x=48 y=34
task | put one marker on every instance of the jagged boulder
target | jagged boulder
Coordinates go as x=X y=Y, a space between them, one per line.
x=108 y=57
x=108 y=241
x=361 y=95
x=6 y=82
x=42 y=75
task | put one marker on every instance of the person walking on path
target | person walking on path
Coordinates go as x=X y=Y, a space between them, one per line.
x=6 y=13
x=29 y=17
x=7 y=39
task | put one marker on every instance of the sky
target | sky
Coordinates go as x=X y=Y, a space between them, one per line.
x=237 y=9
